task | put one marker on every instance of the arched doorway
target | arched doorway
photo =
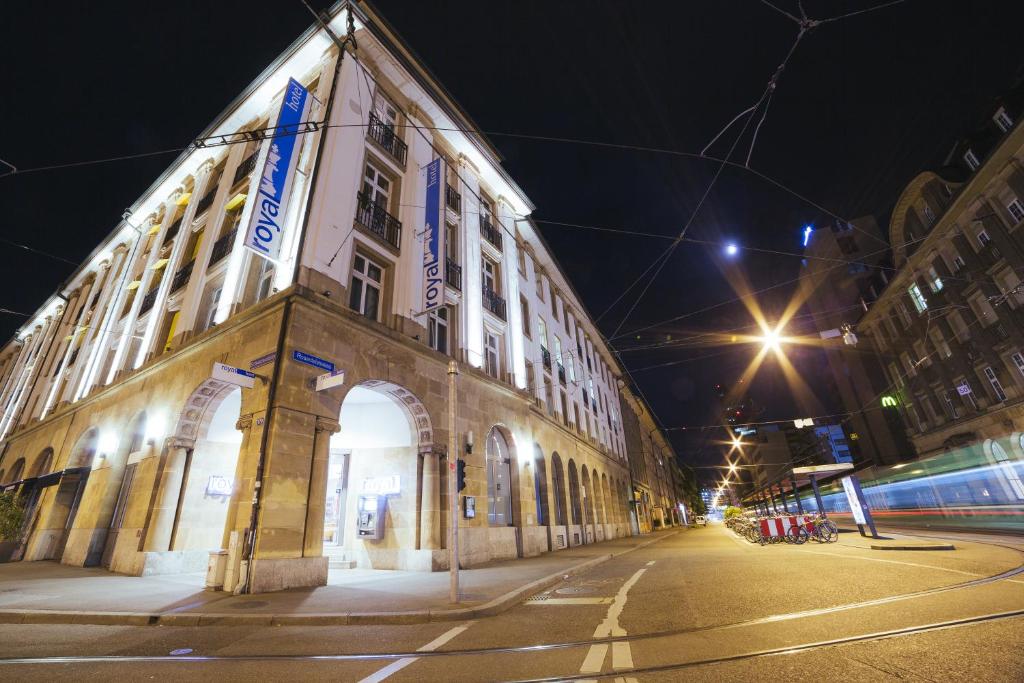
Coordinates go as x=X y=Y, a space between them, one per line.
x=119 y=480
x=577 y=535
x=540 y=486
x=558 y=479
x=207 y=477
x=499 y=479
x=58 y=518
x=588 y=500
x=382 y=506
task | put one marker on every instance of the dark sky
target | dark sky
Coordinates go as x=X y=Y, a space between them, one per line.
x=864 y=104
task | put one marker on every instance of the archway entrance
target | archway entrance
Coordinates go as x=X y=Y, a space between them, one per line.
x=382 y=499
x=207 y=482
x=499 y=480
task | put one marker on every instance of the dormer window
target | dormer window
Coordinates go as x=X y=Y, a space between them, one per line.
x=1003 y=120
x=971 y=160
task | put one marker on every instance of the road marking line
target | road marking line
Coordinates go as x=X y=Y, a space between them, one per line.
x=622 y=655
x=909 y=564
x=571 y=601
x=651 y=562
x=400 y=664
x=594 y=661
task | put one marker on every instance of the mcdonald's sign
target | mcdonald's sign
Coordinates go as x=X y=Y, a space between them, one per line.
x=888 y=402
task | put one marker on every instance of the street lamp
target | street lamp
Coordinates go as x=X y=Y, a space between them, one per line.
x=772 y=339
x=731 y=249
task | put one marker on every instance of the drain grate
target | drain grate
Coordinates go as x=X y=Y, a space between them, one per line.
x=538 y=598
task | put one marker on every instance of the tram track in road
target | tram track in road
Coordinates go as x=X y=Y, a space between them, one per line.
x=546 y=647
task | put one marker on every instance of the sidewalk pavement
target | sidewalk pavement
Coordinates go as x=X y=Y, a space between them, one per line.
x=889 y=539
x=51 y=593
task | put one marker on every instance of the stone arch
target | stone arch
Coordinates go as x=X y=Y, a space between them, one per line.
x=135 y=433
x=423 y=430
x=85 y=449
x=904 y=215
x=17 y=469
x=43 y=464
x=499 y=454
x=561 y=518
x=200 y=407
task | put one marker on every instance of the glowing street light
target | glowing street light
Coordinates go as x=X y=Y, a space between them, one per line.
x=731 y=249
x=772 y=339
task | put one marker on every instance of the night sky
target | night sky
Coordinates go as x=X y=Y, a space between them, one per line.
x=863 y=105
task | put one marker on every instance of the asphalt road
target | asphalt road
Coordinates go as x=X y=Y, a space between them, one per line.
x=699 y=605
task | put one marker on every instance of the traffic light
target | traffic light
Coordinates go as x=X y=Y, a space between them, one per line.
x=460 y=472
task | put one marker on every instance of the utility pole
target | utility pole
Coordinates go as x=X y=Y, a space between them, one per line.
x=453 y=492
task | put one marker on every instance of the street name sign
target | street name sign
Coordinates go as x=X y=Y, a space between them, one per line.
x=334 y=378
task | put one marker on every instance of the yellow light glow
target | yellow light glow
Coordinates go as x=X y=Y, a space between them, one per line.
x=183 y=199
x=235 y=202
x=153 y=230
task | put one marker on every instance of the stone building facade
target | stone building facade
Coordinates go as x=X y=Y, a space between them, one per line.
x=131 y=453
x=949 y=326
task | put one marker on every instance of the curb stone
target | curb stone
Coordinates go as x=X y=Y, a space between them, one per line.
x=491 y=608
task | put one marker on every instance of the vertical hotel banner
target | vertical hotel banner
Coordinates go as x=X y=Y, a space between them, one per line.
x=264 y=233
x=433 y=239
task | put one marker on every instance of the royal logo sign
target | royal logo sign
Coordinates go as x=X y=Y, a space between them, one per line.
x=433 y=240
x=265 y=232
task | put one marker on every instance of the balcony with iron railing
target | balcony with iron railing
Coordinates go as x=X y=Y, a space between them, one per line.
x=561 y=373
x=207 y=201
x=182 y=277
x=222 y=247
x=245 y=168
x=172 y=231
x=545 y=357
x=493 y=302
x=375 y=219
x=490 y=233
x=453 y=274
x=149 y=300
x=452 y=198
x=384 y=135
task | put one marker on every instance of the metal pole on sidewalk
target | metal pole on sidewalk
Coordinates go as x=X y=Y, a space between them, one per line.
x=453 y=493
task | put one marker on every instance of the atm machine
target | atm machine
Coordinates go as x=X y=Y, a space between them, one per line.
x=370 y=517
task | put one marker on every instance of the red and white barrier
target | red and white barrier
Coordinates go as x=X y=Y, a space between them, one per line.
x=779 y=526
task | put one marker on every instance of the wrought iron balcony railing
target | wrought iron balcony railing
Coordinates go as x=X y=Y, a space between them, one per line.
x=149 y=300
x=384 y=135
x=452 y=198
x=490 y=233
x=378 y=221
x=494 y=303
x=222 y=247
x=245 y=168
x=181 y=277
x=453 y=274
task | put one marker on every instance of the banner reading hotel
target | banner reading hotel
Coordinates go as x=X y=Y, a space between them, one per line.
x=264 y=234
x=433 y=240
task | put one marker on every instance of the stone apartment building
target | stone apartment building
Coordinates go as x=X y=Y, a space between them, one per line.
x=132 y=451
x=949 y=326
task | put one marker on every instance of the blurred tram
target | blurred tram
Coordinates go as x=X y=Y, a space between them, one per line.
x=970 y=488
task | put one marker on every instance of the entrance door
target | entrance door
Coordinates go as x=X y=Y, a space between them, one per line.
x=118 y=517
x=499 y=481
x=337 y=497
x=69 y=494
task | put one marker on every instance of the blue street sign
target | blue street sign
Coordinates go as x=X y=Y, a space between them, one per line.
x=310 y=359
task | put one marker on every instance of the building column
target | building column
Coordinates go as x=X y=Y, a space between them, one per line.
x=67 y=392
x=430 y=502
x=169 y=482
x=112 y=293
x=313 y=542
x=52 y=379
x=92 y=326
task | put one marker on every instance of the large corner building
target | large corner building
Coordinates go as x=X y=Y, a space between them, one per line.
x=131 y=451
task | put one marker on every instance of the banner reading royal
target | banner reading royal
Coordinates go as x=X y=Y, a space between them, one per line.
x=433 y=240
x=264 y=233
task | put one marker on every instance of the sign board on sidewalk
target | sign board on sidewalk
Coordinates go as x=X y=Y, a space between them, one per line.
x=856 y=506
x=232 y=375
x=310 y=359
x=334 y=378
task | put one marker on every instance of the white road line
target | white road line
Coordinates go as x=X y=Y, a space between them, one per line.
x=879 y=559
x=651 y=562
x=400 y=664
x=572 y=601
x=622 y=656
